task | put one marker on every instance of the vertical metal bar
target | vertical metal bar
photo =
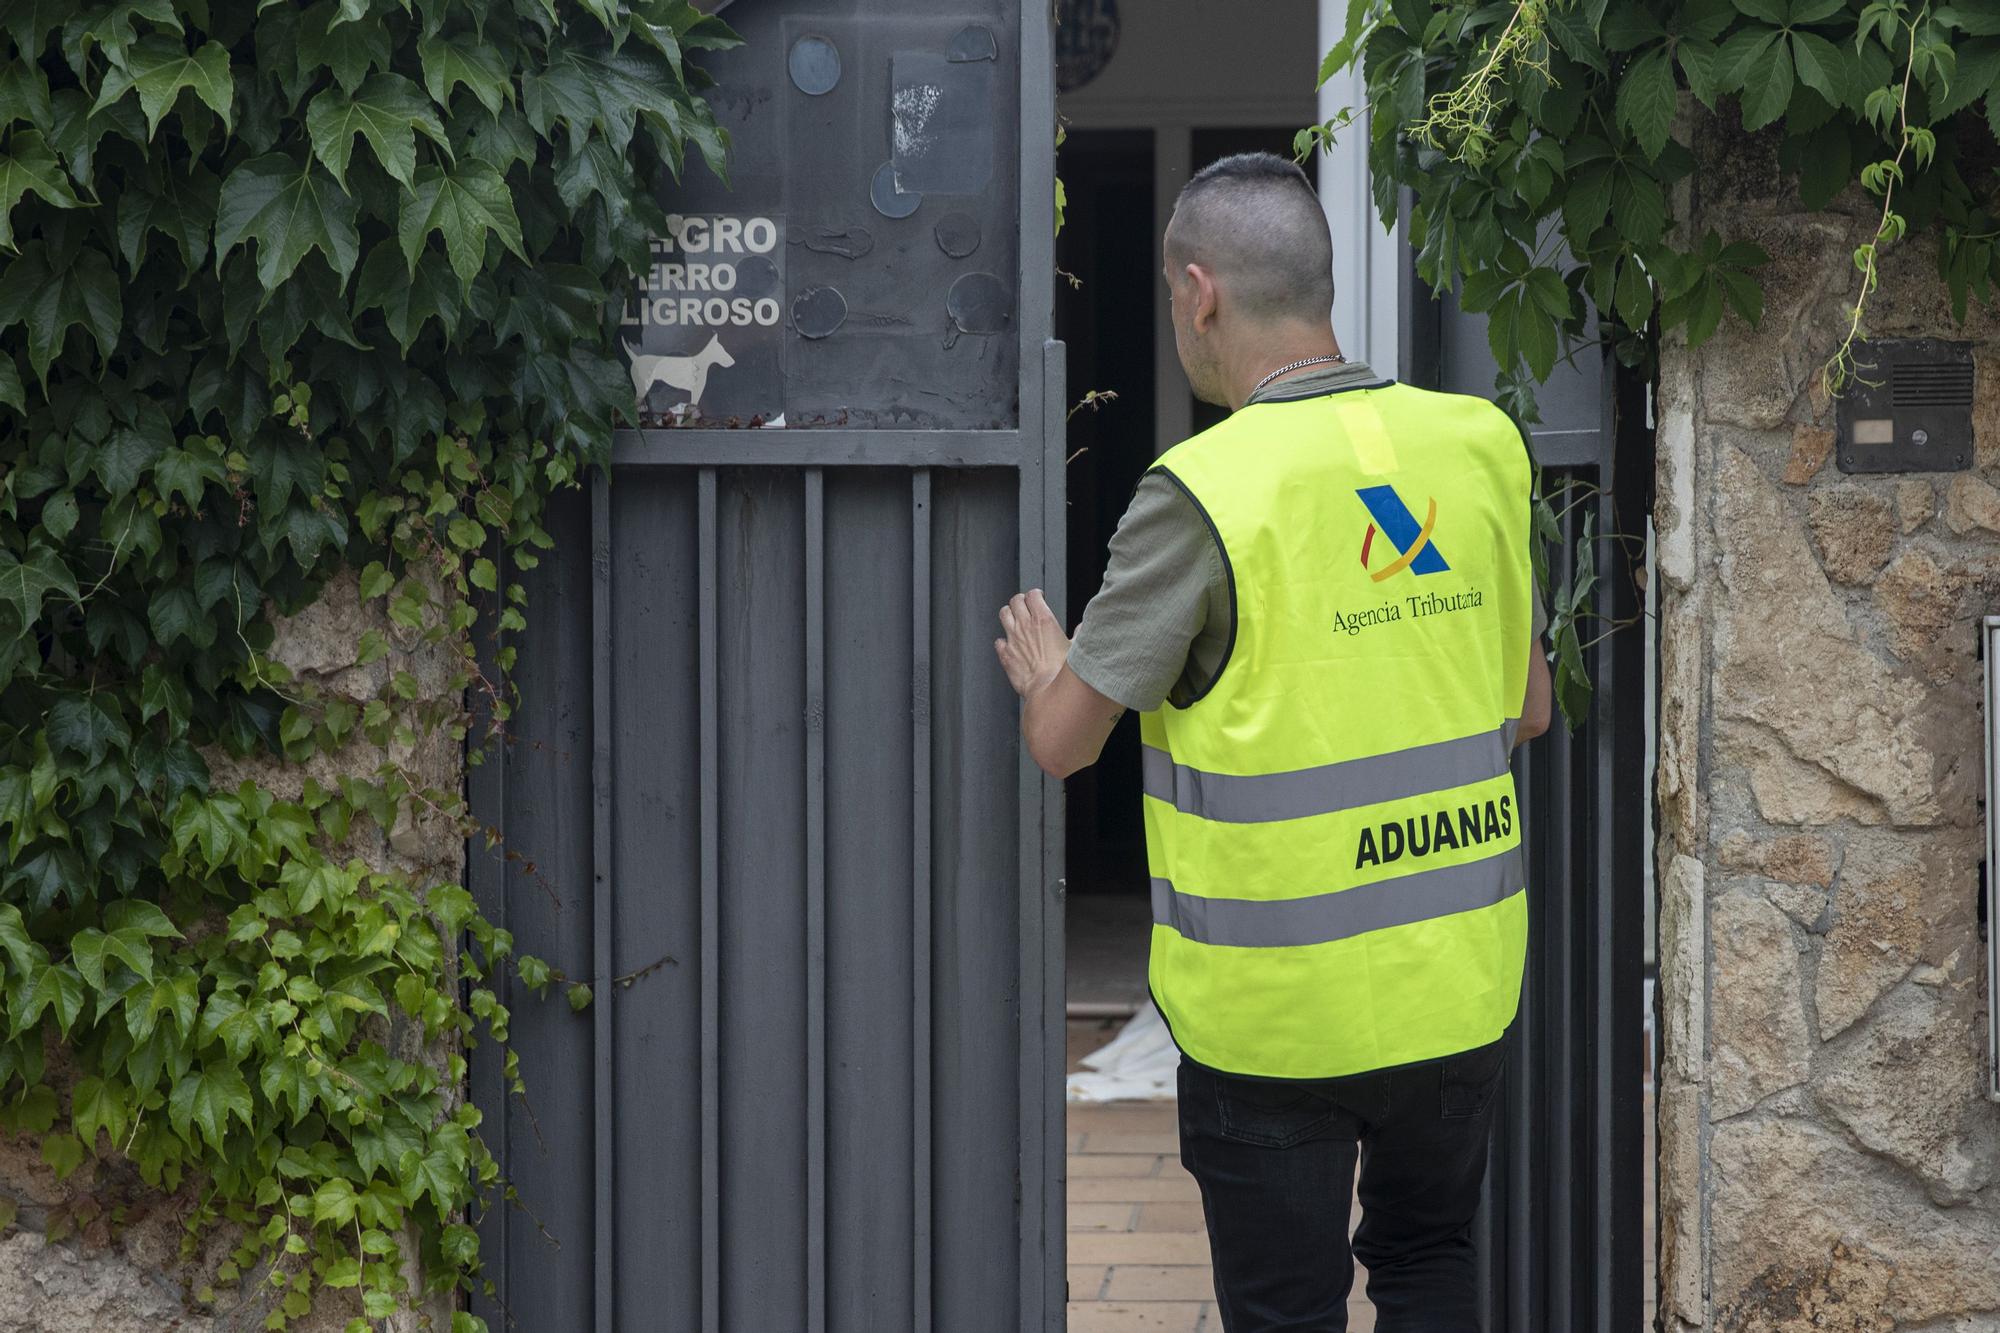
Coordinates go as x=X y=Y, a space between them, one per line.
x=815 y=723
x=1055 y=1053
x=602 y=968
x=1041 y=1253
x=920 y=898
x=1604 y=1009
x=1173 y=409
x=711 y=912
x=1031 y=1167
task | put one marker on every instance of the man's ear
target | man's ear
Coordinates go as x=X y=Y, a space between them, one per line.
x=1203 y=295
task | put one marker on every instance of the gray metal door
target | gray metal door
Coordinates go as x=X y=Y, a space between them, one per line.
x=764 y=787
x=1560 y=1229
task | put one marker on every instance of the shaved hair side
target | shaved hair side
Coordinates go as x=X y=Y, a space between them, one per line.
x=1254 y=221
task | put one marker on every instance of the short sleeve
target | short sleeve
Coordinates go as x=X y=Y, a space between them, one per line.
x=1136 y=634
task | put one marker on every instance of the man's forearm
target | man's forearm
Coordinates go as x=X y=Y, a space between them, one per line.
x=1064 y=724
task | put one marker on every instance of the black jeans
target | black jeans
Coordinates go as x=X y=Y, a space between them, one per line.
x=1275 y=1162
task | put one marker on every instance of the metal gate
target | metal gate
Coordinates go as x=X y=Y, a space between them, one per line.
x=1559 y=1230
x=764 y=788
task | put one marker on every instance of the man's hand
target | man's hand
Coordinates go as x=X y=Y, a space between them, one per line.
x=1033 y=652
x=1065 y=722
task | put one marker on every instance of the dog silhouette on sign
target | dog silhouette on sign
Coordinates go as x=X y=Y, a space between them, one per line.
x=689 y=373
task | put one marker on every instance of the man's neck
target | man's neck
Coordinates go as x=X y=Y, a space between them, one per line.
x=1280 y=349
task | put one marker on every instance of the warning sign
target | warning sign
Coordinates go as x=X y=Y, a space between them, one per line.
x=704 y=331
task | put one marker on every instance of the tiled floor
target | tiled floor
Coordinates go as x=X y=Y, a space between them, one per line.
x=1138 y=1255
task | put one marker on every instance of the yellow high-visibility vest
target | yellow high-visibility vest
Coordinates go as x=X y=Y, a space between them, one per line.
x=1332 y=828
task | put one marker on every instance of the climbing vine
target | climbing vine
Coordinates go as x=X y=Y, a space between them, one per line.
x=1540 y=141
x=286 y=290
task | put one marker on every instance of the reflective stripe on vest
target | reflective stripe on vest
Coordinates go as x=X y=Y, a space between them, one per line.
x=1338 y=881
x=1273 y=923
x=1231 y=798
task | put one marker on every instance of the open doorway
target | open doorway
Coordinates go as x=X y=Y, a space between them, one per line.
x=1120 y=357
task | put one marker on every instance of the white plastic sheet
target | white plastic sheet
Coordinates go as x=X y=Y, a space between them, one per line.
x=1137 y=1064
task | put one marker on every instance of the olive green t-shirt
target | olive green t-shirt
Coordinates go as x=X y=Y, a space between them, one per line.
x=1158 y=629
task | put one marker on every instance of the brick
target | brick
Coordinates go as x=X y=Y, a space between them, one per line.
x=1160 y=1282
x=1158 y=1247
x=1086 y=1281
x=1170 y=1216
x=1086 y=1165
x=1101 y=1216
x=1143 y=1317
x=1126 y=1118
x=1166 y=1145
x=1172 y=1187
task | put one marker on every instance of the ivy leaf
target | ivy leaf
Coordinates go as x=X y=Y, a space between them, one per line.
x=1587 y=203
x=180 y=205
x=140 y=917
x=22 y=952
x=175 y=615
x=63 y=1152
x=178 y=997
x=407 y=299
x=595 y=87
x=86 y=953
x=453 y=61
x=460 y=1244
x=1646 y=97
x=186 y=474
x=159 y=67
x=1640 y=207
x=25 y=583
x=1821 y=66
x=1698 y=61
x=1634 y=298
x=1979 y=22
x=24 y=96
x=87 y=725
x=1978 y=70
x=465 y=204
x=1739 y=55
x=228 y=1020
x=97 y=1105
x=1767 y=88
x=30 y=166
x=214 y=824
x=350 y=50
x=387 y=111
x=125 y=454
x=1628 y=25
x=335 y=1202
x=56 y=987
x=205 y=1101
x=288 y=211
x=59 y=515
x=51 y=300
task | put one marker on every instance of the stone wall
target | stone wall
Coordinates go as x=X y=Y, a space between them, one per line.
x=1828 y=1159
x=119 y=1267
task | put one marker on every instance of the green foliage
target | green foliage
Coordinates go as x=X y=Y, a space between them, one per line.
x=1539 y=141
x=287 y=288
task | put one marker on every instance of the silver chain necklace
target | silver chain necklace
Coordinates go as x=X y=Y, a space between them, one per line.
x=1296 y=365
